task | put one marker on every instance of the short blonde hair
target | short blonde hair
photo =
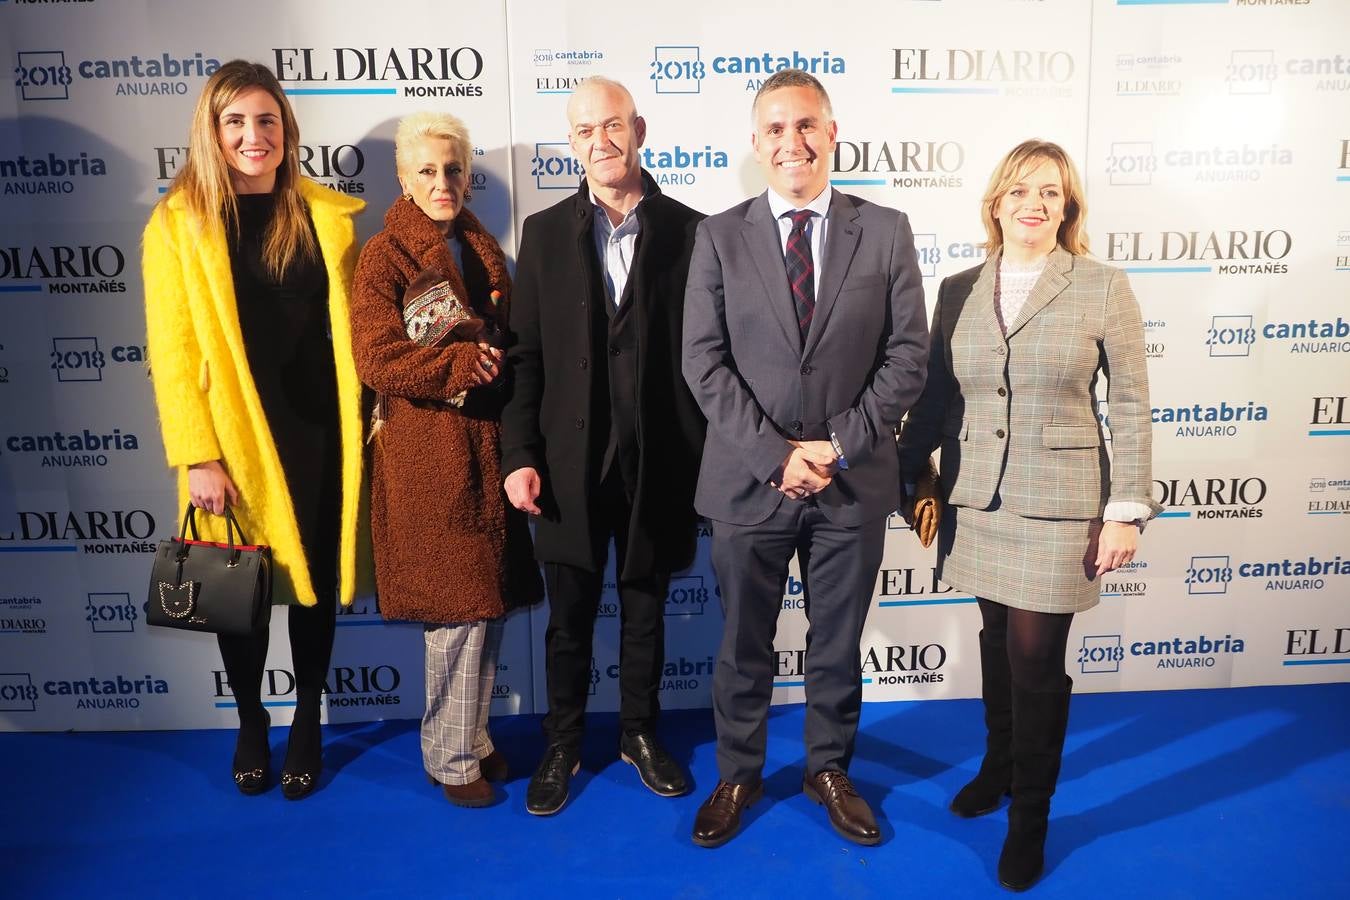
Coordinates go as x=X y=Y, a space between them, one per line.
x=422 y=125
x=1013 y=168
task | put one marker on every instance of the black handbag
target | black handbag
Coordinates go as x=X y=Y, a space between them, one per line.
x=201 y=585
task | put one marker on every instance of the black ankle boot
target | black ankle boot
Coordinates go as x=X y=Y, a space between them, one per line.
x=1039 y=724
x=986 y=790
x=252 y=763
x=304 y=755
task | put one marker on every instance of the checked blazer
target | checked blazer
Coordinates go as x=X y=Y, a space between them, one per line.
x=1015 y=416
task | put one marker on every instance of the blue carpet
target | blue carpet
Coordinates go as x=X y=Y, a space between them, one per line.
x=1238 y=793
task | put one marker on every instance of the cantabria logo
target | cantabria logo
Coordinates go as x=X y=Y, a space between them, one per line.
x=682 y=165
x=411 y=71
x=968 y=70
x=1223 y=420
x=1213 y=574
x=1137 y=162
x=49 y=173
x=62 y=269
x=117 y=692
x=681 y=69
x=46 y=75
x=72 y=449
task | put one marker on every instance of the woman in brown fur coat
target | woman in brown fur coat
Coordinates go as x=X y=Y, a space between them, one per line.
x=428 y=321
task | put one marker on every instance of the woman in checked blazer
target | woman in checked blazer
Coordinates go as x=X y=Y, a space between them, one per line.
x=1035 y=510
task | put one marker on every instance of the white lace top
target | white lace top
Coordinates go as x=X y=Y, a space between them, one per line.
x=1015 y=281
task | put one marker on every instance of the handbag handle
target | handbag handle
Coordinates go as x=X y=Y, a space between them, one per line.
x=190 y=522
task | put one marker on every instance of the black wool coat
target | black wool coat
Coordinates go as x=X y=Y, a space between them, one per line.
x=551 y=422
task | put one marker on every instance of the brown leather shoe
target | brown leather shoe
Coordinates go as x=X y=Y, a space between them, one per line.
x=719 y=818
x=849 y=813
x=476 y=793
x=493 y=767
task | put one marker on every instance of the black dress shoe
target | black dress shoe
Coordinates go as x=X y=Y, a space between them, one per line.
x=251 y=764
x=548 y=785
x=719 y=818
x=658 y=770
x=304 y=759
x=849 y=813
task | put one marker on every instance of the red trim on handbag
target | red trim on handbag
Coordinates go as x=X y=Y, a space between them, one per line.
x=221 y=544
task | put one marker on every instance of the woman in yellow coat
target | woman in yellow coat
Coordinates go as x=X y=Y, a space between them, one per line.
x=247 y=271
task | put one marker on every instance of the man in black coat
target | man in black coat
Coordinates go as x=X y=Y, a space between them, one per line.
x=601 y=436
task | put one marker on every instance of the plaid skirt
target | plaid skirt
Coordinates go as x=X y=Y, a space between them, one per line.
x=1025 y=563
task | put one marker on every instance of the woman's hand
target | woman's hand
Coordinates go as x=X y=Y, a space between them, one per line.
x=489 y=363
x=209 y=488
x=1116 y=545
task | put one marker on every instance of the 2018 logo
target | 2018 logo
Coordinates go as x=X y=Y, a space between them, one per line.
x=17 y=692
x=111 y=612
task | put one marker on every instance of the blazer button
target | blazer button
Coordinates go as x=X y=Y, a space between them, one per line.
x=614 y=351
x=796 y=426
x=998 y=434
x=999 y=350
x=584 y=362
x=806 y=370
x=1001 y=391
x=581 y=423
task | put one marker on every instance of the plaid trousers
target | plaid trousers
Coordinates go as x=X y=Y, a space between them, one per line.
x=461 y=666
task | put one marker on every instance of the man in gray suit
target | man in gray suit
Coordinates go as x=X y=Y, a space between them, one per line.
x=805 y=341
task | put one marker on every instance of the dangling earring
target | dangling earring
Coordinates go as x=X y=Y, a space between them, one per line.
x=468 y=194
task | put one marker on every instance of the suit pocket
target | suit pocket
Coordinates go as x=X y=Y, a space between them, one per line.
x=864 y=283
x=1070 y=437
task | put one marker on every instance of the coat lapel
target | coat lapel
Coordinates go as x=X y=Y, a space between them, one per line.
x=1054 y=279
x=840 y=245
x=760 y=233
x=981 y=299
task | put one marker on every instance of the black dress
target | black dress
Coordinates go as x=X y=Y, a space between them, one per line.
x=290 y=354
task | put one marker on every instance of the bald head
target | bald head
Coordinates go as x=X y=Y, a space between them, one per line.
x=605 y=133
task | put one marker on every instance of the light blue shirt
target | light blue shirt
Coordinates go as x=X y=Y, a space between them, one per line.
x=818 y=227
x=615 y=246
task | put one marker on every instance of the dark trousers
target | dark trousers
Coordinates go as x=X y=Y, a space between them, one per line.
x=839 y=569
x=573 y=601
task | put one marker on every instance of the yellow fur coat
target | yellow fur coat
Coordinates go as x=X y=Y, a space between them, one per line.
x=208 y=405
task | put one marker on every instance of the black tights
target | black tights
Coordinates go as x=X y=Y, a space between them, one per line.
x=1035 y=643
x=311 y=631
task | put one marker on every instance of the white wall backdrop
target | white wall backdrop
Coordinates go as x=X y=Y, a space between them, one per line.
x=1212 y=135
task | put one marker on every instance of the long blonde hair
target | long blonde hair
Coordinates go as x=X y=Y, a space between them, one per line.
x=1012 y=168
x=204 y=181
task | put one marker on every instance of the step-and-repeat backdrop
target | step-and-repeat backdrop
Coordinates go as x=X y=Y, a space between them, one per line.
x=1211 y=133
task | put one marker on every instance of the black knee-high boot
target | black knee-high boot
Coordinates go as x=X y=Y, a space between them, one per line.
x=311 y=633
x=985 y=791
x=1040 y=720
x=244 y=658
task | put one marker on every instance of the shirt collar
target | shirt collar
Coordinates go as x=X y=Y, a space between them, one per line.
x=781 y=207
x=602 y=216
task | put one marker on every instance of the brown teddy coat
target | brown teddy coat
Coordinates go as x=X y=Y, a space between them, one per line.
x=448 y=547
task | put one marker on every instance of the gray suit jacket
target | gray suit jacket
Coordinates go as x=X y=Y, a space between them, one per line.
x=862 y=367
x=1016 y=416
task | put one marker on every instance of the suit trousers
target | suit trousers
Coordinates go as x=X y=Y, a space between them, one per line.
x=839 y=568
x=573 y=602
x=461 y=667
